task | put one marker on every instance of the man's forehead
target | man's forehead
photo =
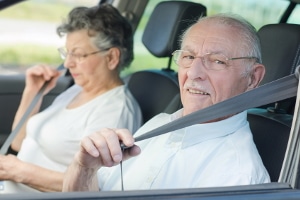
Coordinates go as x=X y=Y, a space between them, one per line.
x=211 y=38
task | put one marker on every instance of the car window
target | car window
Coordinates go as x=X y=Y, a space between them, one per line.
x=295 y=16
x=28 y=33
x=255 y=11
x=28 y=30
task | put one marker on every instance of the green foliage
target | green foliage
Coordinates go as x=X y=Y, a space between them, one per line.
x=37 y=10
x=27 y=55
x=146 y=61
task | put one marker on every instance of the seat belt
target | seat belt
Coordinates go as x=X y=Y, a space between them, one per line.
x=277 y=90
x=23 y=119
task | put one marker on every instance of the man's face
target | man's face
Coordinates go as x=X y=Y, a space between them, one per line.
x=201 y=87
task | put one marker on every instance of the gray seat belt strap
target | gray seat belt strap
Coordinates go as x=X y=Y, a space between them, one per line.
x=277 y=90
x=12 y=135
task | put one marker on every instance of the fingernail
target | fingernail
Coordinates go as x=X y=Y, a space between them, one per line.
x=117 y=158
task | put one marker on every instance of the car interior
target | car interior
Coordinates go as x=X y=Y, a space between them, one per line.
x=158 y=91
x=280 y=45
x=166 y=23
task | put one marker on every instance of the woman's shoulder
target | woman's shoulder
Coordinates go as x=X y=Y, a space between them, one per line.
x=69 y=93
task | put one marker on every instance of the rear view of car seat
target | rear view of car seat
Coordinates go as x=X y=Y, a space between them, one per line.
x=271 y=124
x=155 y=89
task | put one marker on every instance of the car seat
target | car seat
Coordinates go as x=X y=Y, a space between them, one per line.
x=271 y=124
x=281 y=56
x=155 y=89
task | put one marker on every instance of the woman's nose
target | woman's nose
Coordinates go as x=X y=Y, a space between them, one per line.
x=69 y=62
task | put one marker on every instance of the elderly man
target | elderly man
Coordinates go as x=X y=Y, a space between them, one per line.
x=219 y=58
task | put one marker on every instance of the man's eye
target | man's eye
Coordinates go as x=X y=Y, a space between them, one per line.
x=217 y=59
x=220 y=62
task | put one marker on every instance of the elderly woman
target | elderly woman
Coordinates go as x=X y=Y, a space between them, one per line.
x=99 y=44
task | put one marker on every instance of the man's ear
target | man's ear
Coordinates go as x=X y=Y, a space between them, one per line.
x=258 y=73
x=113 y=58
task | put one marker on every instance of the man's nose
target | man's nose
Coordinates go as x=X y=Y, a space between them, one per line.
x=197 y=68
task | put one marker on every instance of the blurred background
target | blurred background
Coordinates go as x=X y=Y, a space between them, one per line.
x=28 y=29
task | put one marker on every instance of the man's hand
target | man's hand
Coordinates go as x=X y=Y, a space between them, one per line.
x=99 y=149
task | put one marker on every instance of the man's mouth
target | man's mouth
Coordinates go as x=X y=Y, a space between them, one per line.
x=197 y=92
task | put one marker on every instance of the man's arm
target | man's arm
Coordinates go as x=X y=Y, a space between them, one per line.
x=79 y=178
x=99 y=149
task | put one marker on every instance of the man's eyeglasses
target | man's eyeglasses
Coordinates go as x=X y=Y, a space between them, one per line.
x=78 y=55
x=212 y=61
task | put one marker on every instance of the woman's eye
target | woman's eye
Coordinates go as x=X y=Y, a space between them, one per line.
x=188 y=57
x=77 y=55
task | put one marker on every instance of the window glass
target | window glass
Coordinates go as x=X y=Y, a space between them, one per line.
x=28 y=33
x=257 y=12
x=28 y=29
x=295 y=16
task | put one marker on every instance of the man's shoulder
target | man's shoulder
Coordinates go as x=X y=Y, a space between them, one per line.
x=156 y=121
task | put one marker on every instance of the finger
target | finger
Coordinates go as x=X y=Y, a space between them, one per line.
x=52 y=83
x=113 y=143
x=125 y=137
x=49 y=72
x=88 y=146
x=34 y=71
x=131 y=152
x=101 y=140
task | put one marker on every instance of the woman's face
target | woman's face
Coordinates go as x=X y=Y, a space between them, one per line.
x=86 y=63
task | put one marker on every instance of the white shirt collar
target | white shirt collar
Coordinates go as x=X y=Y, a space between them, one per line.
x=191 y=135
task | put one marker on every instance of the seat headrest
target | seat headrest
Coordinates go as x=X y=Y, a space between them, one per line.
x=167 y=22
x=280 y=44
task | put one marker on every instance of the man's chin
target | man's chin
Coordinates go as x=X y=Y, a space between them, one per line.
x=187 y=111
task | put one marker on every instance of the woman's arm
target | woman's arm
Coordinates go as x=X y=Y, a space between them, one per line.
x=27 y=98
x=39 y=178
x=35 y=79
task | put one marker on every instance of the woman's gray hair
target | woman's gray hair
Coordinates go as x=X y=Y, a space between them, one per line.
x=251 y=43
x=107 y=28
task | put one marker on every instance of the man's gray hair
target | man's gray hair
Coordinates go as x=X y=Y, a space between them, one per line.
x=250 y=44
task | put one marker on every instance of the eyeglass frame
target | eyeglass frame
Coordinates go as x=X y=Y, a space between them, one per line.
x=63 y=54
x=226 y=58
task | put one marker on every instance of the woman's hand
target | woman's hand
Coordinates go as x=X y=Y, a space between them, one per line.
x=37 y=75
x=10 y=168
